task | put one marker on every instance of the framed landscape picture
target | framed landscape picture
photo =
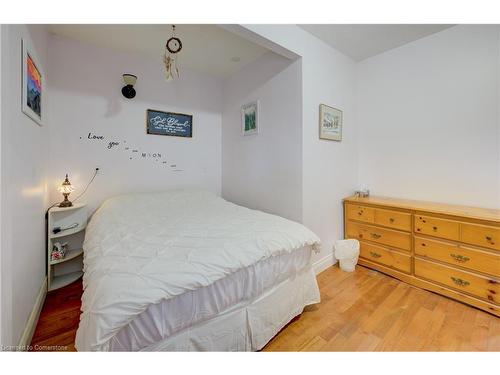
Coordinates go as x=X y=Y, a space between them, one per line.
x=330 y=123
x=32 y=84
x=250 y=118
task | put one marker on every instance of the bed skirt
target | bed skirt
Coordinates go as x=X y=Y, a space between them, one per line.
x=248 y=326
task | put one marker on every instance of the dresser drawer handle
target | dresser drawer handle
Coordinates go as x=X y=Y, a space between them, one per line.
x=490 y=240
x=435 y=229
x=375 y=235
x=460 y=258
x=374 y=254
x=360 y=213
x=459 y=282
x=391 y=220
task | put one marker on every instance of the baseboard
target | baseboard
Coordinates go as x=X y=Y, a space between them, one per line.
x=325 y=262
x=29 y=330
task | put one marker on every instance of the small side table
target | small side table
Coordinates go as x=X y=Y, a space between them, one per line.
x=64 y=271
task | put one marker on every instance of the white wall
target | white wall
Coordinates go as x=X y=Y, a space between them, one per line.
x=428 y=118
x=24 y=160
x=264 y=171
x=85 y=97
x=329 y=168
x=498 y=111
x=1 y=207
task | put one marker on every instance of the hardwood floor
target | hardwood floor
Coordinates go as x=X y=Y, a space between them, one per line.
x=369 y=311
x=56 y=328
x=360 y=311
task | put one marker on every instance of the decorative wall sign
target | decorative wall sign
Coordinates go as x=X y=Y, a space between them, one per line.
x=250 y=118
x=330 y=123
x=169 y=123
x=32 y=84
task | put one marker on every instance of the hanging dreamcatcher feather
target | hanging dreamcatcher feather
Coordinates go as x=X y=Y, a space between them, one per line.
x=172 y=48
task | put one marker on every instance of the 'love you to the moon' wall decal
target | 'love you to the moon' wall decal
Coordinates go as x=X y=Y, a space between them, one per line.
x=133 y=153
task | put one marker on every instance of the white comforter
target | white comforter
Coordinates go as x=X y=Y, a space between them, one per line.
x=142 y=248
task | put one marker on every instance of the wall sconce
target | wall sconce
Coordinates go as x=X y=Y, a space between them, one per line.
x=128 y=90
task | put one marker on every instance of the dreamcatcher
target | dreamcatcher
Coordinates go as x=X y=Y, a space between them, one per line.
x=172 y=48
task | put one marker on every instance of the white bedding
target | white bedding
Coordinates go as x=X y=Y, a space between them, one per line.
x=141 y=249
x=248 y=325
x=173 y=315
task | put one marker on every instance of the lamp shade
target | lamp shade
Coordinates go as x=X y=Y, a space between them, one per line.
x=66 y=187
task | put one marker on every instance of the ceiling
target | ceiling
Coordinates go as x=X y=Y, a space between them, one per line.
x=362 y=41
x=216 y=51
x=206 y=48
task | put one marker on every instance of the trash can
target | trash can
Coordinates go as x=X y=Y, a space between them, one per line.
x=347 y=252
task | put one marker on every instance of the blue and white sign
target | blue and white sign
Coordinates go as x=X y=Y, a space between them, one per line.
x=169 y=123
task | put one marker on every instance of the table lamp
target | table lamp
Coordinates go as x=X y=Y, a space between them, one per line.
x=66 y=189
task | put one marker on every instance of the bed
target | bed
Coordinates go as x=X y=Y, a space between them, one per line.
x=186 y=270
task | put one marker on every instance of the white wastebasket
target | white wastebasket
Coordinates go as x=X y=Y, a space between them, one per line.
x=347 y=252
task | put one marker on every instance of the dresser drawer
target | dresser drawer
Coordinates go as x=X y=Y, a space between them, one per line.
x=481 y=235
x=360 y=213
x=462 y=256
x=380 y=235
x=393 y=219
x=437 y=227
x=385 y=256
x=477 y=285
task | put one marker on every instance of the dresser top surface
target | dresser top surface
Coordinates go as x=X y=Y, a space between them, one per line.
x=488 y=214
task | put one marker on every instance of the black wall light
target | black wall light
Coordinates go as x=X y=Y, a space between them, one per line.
x=128 y=90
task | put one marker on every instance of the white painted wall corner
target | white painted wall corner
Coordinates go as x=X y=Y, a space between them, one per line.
x=322 y=264
x=29 y=329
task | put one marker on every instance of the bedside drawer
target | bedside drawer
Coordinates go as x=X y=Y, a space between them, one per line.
x=383 y=236
x=437 y=227
x=360 y=213
x=393 y=219
x=473 y=259
x=480 y=286
x=481 y=235
x=385 y=256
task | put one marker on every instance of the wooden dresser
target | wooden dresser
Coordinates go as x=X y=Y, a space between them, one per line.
x=451 y=250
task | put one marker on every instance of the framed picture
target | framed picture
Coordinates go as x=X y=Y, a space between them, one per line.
x=330 y=123
x=250 y=118
x=169 y=123
x=32 y=84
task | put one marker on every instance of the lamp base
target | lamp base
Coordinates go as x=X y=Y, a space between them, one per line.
x=66 y=202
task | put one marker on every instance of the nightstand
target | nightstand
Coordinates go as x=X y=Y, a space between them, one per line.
x=72 y=222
